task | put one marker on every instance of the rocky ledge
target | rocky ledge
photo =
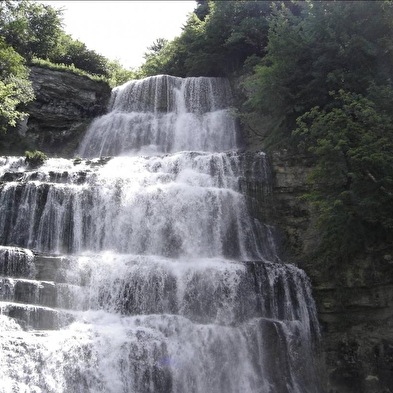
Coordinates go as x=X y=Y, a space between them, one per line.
x=64 y=106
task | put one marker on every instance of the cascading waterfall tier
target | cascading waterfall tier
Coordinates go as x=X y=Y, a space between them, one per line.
x=148 y=273
x=164 y=114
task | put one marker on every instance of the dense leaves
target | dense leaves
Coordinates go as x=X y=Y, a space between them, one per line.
x=15 y=88
x=353 y=176
x=35 y=31
x=69 y=51
x=32 y=29
x=327 y=47
x=35 y=158
x=216 y=40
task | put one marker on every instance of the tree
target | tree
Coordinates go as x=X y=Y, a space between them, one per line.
x=353 y=146
x=217 y=39
x=119 y=75
x=15 y=88
x=277 y=85
x=69 y=51
x=326 y=47
x=32 y=29
x=156 y=47
x=328 y=73
x=202 y=9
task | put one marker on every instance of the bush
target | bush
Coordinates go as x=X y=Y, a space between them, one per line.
x=35 y=159
x=64 y=67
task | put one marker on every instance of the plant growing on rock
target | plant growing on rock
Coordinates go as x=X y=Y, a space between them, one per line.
x=35 y=159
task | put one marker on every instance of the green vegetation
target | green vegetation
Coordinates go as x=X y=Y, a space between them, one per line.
x=31 y=29
x=77 y=160
x=15 y=88
x=352 y=143
x=216 y=40
x=35 y=32
x=325 y=86
x=67 y=68
x=35 y=159
x=32 y=34
x=327 y=47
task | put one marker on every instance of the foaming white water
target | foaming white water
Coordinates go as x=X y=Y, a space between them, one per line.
x=149 y=295
x=16 y=262
x=11 y=164
x=164 y=114
x=148 y=324
x=186 y=204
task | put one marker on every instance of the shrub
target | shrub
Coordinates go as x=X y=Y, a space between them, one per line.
x=35 y=159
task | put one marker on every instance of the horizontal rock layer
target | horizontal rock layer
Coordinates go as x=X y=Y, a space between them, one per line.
x=354 y=300
x=64 y=105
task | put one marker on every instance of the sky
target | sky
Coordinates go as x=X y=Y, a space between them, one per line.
x=123 y=29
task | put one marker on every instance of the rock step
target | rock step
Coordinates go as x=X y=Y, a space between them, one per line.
x=50 y=267
x=17 y=262
x=36 y=317
x=42 y=293
x=63 y=177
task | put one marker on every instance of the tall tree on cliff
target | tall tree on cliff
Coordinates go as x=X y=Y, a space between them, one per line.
x=35 y=31
x=216 y=40
x=32 y=29
x=328 y=47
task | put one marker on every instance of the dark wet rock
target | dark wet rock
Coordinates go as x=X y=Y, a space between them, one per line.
x=64 y=106
x=354 y=300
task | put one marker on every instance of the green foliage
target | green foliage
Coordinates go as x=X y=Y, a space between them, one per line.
x=67 y=68
x=353 y=177
x=77 y=160
x=15 y=88
x=216 y=40
x=35 y=32
x=322 y=47
x=119 y=75
x=35 y=159
x=328 y=73
x=32 y=29
x=159 y=59
x=74 y=52
x=272 y=85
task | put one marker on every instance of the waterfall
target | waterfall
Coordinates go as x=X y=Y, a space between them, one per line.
x=164 y=114
x=139 y=268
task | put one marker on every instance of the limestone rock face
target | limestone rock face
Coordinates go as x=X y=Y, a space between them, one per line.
x=354 y=300
x=64 y=106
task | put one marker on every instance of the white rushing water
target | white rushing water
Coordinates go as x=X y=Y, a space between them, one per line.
x=164 y=114
x=148 y=272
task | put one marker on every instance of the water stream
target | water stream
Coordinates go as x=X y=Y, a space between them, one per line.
x=138 y=268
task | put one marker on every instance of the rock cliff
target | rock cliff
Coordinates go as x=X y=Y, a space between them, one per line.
x=64 y=106
x=354 y=300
